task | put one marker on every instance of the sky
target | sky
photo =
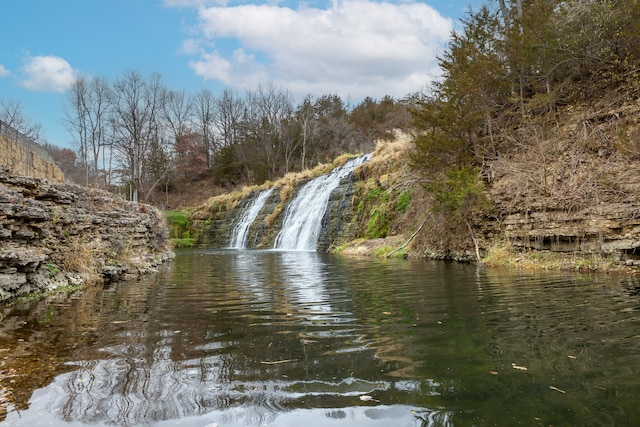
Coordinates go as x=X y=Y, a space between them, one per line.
x=351 y=48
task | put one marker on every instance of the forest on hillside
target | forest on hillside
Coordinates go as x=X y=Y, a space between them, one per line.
x=537 y=109
x=521 y=61
x=513 y=74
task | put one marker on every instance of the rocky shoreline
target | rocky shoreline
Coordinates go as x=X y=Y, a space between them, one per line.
x=56 y=235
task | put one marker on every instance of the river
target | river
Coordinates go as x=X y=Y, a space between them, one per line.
x=287 y=338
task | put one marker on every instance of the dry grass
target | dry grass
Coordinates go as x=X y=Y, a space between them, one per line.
x=503 y=255
x=287 y=184
x=390 y=161
x=286 y=192
x=271 y=218
x=586 y=160
x=79 y=256
x=226 y=202
x=341 y=160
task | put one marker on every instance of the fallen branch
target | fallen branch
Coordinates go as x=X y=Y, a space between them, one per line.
x=277 y=362
x=408 y=241
x=474 y=240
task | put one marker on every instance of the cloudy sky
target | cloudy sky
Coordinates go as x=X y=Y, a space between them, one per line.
x=353 y=48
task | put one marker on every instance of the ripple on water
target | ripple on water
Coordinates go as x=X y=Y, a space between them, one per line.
x=259 y=337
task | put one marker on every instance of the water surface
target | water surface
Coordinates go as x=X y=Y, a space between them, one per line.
x=254 y=338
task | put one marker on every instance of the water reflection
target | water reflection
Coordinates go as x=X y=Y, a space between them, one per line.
x=290 y=338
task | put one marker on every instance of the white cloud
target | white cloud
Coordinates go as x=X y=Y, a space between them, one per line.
x=354 y=47
x=4 y=72
x=47 y=74
x=190 y=47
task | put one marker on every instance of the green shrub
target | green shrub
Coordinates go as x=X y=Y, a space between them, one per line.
x=404 y=199
x=461 y=192
x=379 y=222
x=377 y=194
x=53 y=268
x=183 y=243
x=179 y=224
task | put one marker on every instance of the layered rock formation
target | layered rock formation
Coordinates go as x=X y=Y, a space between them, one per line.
x=60 y=234
x=611 y=229
x=604 y=226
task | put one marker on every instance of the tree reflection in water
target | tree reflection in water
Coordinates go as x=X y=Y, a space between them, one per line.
x=300 y=338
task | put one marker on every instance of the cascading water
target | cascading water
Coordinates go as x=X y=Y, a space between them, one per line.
x=240 y=232
x=302 y=221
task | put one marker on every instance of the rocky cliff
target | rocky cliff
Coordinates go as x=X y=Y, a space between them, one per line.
x=214 y=229
x=60 y=234
x=611 y=230
x=384 y=206
x=338 y=221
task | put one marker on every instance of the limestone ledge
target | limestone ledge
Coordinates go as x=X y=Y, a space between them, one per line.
x=54 y=235
x=612 y=229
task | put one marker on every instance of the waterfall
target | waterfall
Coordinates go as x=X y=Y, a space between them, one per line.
x=240 y=232
x=302 y=221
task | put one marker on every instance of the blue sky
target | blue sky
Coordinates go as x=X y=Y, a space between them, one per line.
x=352 y=48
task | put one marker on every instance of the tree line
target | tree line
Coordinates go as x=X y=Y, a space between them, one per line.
x=138 y=134
x=516 y=61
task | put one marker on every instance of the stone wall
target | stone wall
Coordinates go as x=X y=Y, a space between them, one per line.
x=12 y=156
x=59 y=234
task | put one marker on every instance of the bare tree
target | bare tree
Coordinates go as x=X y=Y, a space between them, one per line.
x=98 y=121
x=177 y=115
x=87 y=109
x=272 y=108
x=12 y=113
x=76 y=122
x=307 y=118
x=229 y=108
x=204 y=107
x=137 y=105
x=335 y=134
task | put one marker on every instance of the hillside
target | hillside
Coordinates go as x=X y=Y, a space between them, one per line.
x=569 y=200
x=572 y=188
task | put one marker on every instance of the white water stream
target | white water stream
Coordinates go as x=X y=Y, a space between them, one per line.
x=303 y=217
x=240 y=232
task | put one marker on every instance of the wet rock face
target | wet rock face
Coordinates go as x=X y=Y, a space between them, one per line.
x=337 y=224
x=54 y=235
x=217 y=229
